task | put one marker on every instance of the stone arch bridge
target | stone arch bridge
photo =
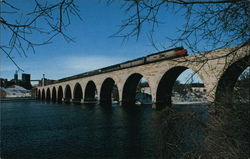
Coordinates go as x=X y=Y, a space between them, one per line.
x=218 y=70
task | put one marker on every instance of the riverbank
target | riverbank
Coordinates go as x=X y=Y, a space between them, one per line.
x=14 y=92
x=16 y=98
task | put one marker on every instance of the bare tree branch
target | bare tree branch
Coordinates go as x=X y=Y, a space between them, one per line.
x=215 y=24
x=55 y=15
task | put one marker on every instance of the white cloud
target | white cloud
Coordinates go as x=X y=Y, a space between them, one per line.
x=59 y=67
x=65 y=66
x=89 y=63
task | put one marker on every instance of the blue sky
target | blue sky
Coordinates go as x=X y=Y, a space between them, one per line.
x=93 y=47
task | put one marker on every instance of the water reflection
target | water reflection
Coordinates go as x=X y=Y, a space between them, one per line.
x=34 y=129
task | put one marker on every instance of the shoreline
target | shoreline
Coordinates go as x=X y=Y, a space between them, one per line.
x=189 y=102
x=16 y=98
x=33 y=98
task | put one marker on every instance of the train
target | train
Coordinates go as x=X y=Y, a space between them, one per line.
x=163 y=55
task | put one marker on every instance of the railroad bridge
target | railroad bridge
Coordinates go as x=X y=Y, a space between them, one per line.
x=218 y=69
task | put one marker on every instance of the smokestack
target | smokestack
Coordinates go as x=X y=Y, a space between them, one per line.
x=43 y=80
x=16 y=77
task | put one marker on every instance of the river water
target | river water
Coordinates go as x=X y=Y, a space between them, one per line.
x=33 y=129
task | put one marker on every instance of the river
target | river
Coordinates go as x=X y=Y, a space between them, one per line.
x=33 y=129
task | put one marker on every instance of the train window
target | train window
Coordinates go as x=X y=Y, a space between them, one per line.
x=162 y=55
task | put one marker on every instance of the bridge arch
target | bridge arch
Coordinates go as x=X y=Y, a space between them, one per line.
x=53 y=98
x=226 y=83
x=107 y=89
x=60 y=94
x=48 y=94
x=39 y=94
x=166 y=83
x=68 y=95
x=78 y=95
x=129 y=89
x=43 y=94
x=90 y=92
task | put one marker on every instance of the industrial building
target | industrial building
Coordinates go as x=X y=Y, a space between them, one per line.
x=24 y=82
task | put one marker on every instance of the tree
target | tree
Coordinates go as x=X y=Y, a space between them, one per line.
x=209 y=24
x=46 y=18
x=213 y=23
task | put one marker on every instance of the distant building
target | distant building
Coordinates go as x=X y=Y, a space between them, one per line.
x=16 y=77
x=198 y=87
x=24 y=82
x=145 y=90
x=25 y=77
x=193 y=87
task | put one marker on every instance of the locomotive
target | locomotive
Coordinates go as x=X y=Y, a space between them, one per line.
x=163 y=55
